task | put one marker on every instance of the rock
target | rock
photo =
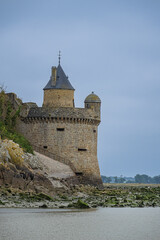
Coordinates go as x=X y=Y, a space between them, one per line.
x=4 y=155
x=33 y=161
x=26 y=171
x=11 y=152
x=1 y=203
x=43 y=206
x=81 y=204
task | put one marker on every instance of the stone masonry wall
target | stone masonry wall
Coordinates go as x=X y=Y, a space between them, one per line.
x=94 y=106
x=58 y=98
x=74 y=142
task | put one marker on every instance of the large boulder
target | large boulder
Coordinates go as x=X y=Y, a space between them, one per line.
x=36 y=172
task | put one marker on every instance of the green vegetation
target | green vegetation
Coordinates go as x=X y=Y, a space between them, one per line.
x=34 y=197
x=8 y=117
x=112 y=195
x=45 y=196
x=9 y=133
x=81 y=204
x=124 y=195
x=1 y=203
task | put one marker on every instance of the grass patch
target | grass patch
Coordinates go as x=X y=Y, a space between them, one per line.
x=8 y=118
x=7 y=132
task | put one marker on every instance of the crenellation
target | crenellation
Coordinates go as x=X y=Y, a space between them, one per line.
x=60 y=119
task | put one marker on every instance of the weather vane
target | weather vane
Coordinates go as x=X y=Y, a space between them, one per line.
x=59 y=56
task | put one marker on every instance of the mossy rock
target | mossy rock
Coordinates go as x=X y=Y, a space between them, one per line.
x=1 y=203
x=23 y=195
x=141 y=204
x=45 y=196
x=94 y=206
x=139 y=197
x=62 y=206
x=64 y=197
x=81 y=204
x=9 y=190
x=43 y=206
x=35 y=197
x=70 y=205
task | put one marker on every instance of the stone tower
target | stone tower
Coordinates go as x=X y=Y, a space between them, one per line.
x=58 y=92
x=63 y=132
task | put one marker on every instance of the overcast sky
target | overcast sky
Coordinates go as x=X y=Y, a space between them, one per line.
x=111 y=47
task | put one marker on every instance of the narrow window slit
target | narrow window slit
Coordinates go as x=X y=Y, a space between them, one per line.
x=78 y=173
x=82 y=149
x=60 y=129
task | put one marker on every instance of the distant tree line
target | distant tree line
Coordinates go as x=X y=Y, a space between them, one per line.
x=137 y=179
x=146 y=179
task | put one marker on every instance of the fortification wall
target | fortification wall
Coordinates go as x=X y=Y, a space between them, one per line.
x=58 y=98
x=74 y=142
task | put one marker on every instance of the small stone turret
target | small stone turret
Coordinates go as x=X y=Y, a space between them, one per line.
x=93 y=102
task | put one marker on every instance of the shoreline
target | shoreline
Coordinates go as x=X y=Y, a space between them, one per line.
x=84 y=197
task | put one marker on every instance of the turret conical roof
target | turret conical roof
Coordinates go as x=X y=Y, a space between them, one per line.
x=61 y=82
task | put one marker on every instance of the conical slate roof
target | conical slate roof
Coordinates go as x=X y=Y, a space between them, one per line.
x=62 y=81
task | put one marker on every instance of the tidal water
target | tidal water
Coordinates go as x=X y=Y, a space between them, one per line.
x=101 y=224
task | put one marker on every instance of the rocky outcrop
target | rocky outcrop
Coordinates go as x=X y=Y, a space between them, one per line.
x=29 y=172
x=23 y=178
x=28 y=180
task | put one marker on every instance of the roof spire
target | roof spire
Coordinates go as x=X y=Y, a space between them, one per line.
x=59 y=57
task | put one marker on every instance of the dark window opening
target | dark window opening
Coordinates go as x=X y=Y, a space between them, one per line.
x=60 y=129
x=82 y=149
x=45 y=147
x=94 y=131
x=78 y=173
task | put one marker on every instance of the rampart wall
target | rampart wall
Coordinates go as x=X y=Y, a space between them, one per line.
x=73 y=142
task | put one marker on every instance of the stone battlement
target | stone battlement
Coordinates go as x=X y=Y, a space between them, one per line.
x=80 y=115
